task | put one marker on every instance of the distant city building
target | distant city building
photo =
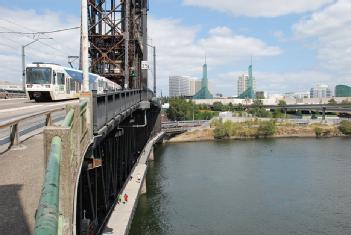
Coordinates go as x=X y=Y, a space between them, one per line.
x=297 y=95
x=8 y=86
x=204 y=93
x=320 y=91
x=261 y=95
x=186 y=86
x=219 y=95
x=342 y=91
x=247 y=85
x=181 y=86
x=198 y=86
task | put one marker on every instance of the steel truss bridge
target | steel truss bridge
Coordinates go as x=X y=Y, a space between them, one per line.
x=90 y=157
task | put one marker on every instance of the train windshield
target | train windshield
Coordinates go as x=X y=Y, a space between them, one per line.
x=37 y=75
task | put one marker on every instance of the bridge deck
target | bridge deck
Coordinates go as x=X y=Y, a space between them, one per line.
x=21 y=178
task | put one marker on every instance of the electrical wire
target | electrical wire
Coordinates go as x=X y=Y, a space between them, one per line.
x=38 y=33
x=44 y=32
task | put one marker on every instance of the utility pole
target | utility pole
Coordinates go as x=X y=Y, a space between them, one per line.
x=85 y=45
x=154 y=49
x=24 y=61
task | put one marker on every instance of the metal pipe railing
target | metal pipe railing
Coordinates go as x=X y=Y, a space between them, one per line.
x=13 y=124
x=47 y=215
x=68 y=119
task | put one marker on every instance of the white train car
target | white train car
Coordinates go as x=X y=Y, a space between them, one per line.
x=51 y=82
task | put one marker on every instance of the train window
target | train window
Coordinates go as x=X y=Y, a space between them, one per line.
x=60 y=78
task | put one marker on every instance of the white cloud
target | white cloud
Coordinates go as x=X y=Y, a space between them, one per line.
x=180 y=51
x=55 y=51
x=329 y=32
x=260 y=8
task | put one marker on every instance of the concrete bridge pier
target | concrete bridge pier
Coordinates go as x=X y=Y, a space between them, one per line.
x=152 y=155
x=143 y=190
x=323 y=113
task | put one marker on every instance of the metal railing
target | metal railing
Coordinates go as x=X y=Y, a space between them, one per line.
x=177 y=124
x=67 y=147
x=48 y=210
x=13 y=124
x=110 y=104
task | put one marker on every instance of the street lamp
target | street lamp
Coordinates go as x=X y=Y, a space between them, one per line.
x=154 y=66
x=24 y=61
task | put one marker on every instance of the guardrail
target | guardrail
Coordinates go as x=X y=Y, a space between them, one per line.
x=176 y=124
x=110 y=104
x=65 y=146
x=13 y=124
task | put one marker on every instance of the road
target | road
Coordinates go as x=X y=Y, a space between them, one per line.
x=16 y=108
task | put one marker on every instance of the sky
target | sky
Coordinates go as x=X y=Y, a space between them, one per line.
x=295 y=45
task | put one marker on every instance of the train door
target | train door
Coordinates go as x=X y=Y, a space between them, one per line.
x=60 y=79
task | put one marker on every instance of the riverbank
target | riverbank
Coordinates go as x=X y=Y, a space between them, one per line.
x=250 y=131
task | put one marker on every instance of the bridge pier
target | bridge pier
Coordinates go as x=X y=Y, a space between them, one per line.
x=152 y=155
x=323 y=113
x=143 y=188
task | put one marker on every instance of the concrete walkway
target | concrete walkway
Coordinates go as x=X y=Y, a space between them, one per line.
x=21 y=178
x=122 y=215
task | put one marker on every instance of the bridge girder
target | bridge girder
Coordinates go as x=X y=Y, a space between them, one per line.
x=118 y=37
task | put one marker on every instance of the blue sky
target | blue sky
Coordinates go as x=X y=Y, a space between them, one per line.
x=293 y=44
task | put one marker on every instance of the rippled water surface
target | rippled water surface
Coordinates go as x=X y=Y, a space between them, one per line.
x=281 y=186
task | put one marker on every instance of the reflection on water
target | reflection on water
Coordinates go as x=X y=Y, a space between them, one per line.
x=282 y=186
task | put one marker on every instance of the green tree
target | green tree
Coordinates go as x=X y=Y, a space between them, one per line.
x=217 y=106
x=240 y=108
x=332 y=101
x=180 y=109
x=345 y=127
x=281 y=103
x=258 y=110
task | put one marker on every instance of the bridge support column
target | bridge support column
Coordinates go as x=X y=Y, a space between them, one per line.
x=152 y=156
x=143 y=187
x=323 y=114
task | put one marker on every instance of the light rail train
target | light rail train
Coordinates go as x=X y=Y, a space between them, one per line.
x=52 y=82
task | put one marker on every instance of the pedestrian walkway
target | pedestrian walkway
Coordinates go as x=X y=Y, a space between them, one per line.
x=21 y=178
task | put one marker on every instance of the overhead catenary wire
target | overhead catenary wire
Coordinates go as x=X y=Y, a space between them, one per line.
x=57 y=50
x=40 y=32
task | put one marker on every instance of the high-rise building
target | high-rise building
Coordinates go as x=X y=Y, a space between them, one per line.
x=181 y=86
x=342 y=91
x=204 y=93
x=247 y=85
x=321 y=91
x=198 y=86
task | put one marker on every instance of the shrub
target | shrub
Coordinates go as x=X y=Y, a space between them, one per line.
x=220 y=131
x=266 y=129
x=318 y=131
x=345 y=127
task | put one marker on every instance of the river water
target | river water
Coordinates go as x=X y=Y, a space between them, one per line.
x=272 y=186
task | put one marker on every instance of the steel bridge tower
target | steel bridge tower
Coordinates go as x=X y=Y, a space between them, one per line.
x=118 y=40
